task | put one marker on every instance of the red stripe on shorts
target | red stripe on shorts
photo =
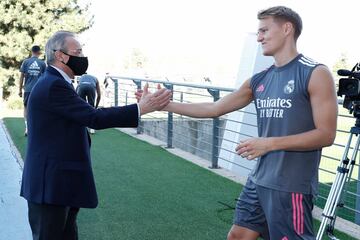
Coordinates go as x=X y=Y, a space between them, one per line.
x=301 y=215
x=298 y=212
x=294 y=211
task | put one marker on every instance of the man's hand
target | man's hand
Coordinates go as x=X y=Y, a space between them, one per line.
x=156 y=101
x=139 y=93
x=20 y=93
x=253 y=147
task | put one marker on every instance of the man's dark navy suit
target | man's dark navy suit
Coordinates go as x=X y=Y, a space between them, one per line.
x=57 y=166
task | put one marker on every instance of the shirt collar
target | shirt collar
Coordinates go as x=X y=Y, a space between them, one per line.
x=63 y=74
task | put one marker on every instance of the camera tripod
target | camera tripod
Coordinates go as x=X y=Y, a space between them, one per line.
x=343 y=175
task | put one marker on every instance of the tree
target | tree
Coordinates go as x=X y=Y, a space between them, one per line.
x=31 y=22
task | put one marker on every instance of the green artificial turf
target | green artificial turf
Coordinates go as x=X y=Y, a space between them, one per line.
x=16 y=127
x=147 y=193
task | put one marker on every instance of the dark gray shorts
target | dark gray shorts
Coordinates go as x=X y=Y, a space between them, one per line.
x=275 y=214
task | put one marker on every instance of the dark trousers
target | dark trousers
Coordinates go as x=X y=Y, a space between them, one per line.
x=87 y=92
x=52 y=222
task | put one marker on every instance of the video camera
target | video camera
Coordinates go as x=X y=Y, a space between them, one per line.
x=350 y=88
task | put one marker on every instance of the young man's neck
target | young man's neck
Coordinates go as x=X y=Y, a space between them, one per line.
x=285 y=56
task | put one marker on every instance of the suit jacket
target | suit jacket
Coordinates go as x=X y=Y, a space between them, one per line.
x=57 y=166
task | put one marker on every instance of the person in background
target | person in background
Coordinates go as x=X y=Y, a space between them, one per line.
x=31 y=69
x=88 y=87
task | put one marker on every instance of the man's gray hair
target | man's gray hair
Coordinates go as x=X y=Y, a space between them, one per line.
x=56 y=42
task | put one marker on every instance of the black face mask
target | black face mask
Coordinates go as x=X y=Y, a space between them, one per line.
x=78 y=65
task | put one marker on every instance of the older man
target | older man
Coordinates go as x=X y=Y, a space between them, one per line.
x=57 y=178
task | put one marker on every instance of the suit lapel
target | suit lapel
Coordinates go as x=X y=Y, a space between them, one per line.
x=53 y=71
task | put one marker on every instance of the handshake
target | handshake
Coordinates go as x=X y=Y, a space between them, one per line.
x=150 y=102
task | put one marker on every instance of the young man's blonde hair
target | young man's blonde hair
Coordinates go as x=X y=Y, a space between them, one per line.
x=281 y=13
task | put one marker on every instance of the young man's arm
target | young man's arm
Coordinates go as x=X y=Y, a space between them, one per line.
x=324 y=109
x=22 y=76
x=21 y=84
x=98 y=94
x=231 y=102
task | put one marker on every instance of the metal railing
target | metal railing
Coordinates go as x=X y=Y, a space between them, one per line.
x=208 y=138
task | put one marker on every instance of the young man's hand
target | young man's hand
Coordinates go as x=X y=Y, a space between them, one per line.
x=253 y=147
x=149 y=102
x=139 y=93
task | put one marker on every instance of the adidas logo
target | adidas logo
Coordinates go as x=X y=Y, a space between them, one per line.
x=34 y=65
x=261 y=88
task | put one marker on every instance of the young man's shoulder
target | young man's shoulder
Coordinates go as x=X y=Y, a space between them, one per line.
x=262 y=73
x=24 y=65
x=26 y=60
x=32 y=59
x=307 y=62
x=40 y=61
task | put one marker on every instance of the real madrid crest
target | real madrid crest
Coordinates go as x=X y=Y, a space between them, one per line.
x=289 y=87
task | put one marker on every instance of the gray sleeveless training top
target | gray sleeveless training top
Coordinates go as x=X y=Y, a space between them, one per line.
x=32 y=68
x=283 y=108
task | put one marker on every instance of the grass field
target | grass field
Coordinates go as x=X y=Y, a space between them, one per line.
x=147 y=193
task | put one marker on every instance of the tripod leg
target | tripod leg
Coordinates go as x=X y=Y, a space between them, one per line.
x=330 y=205
x=343 y=190
x=335 y=190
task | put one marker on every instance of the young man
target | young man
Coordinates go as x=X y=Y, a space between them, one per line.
x=31 y=69
x=296 y=110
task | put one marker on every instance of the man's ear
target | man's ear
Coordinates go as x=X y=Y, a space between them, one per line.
x=288 y=28
x=58 y=56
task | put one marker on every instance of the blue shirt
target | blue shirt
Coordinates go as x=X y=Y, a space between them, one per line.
x=32 y=68
x=88 y=80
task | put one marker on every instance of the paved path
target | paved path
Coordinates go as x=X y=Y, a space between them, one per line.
x=13 y=208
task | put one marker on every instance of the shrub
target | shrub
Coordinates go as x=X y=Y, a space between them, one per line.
x=15 y=103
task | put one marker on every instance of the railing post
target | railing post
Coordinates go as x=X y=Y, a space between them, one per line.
x=181 y=99
x=116 y=91
x=215 y=93
x=139 y=129
x=357 y=202
x=170 y=120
